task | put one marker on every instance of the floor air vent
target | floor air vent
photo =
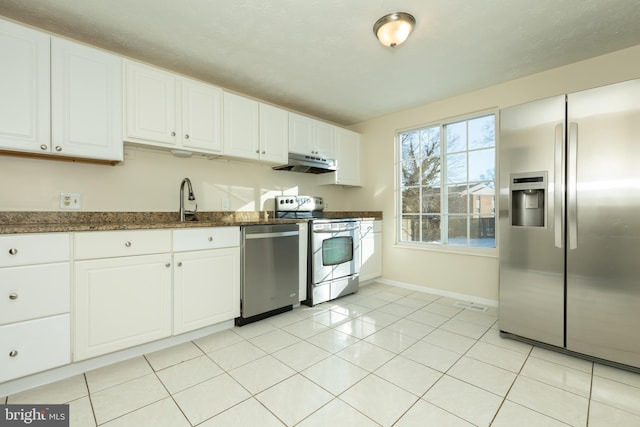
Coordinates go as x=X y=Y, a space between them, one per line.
x=471 y=306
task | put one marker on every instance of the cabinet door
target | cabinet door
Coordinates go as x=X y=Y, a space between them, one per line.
x=201 y=116
x=274 y=134
x=348 y=157
x=206 y=288
x=86 y=101
x=120 y=303
x=371 y=250
x=240 y=127
x=301 y=134
x=324 y=141
x=150 y=105
x=24 y=89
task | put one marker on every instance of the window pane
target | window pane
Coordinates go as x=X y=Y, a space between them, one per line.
x=457 y=168
x=457 y=199
x=410 y=144
x=431 y=200
x=410 y=172
x=457 y=230
x=482 y=165
x=482 y=132
x=431 y=229
x=410 y=228
x=411 y=200
x=483 y=198
x=483 y=231
x=456 y=137
x=430 y=141
x=431 y=171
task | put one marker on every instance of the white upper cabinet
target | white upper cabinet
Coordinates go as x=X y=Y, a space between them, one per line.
x=255 y=131
x=86 y=101
x=310 y=137
x=347 y=159
x=274 y=134
x=163 y=109
x=150 y=105
x=24 y=89
x=201 y=116
x=241 y=126
x=58 y=97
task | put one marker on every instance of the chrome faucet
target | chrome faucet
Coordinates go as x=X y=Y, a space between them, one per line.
x=184 y=212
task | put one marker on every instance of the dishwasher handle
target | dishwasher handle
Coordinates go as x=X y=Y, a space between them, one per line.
x=271 y=235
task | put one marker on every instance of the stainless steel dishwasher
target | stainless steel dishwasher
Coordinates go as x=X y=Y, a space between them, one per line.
x=269 y=273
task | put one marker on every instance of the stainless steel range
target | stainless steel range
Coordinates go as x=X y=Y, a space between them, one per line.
x=333 y=261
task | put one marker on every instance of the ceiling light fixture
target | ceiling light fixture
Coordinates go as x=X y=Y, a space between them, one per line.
x=394 y=28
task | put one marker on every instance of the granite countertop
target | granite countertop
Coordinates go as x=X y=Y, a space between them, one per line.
x=55 y=221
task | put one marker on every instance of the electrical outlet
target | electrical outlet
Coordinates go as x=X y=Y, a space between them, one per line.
x=70 y=200
x=225 y=204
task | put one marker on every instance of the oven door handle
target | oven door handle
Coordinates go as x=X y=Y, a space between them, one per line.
x=335 y=231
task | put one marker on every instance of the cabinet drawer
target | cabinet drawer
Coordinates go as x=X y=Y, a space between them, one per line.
x=205 y=238
x=107 y=244
x=33 y=346
x=34 y=291
x=24 y=249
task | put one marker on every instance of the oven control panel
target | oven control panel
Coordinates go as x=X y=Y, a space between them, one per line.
x=299 y=203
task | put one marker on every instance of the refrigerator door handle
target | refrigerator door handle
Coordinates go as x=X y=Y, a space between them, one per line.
x=558 y=189
x=572 y=184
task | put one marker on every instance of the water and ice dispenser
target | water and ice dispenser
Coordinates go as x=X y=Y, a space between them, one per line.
x=528 y=197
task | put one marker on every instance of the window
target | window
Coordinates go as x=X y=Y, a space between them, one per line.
x=447 y=183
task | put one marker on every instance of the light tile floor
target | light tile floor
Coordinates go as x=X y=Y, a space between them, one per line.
x=385 y=356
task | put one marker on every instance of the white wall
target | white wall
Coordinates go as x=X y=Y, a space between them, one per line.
x=459 y=273
x=149 y=180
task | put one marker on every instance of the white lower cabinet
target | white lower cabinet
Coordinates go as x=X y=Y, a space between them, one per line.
x=206 y=277
x=34 y=346
x=35 y=329
x=122 y=290
x=370 y=250
x=206 y=288
x=120 y=303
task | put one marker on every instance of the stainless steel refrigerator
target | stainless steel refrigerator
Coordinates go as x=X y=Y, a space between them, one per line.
x=569 y=222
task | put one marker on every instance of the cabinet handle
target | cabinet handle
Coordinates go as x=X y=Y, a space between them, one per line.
x=168 y=265
x=210 y=239
x=13 y=296
x=173 y=134
x=186 y=136
x=44 y=147
x=13 y=353
x=179 y=263
x=263 y=152
x=257 y=151
x=58 y=148
x=127 y=244
x=13 y=251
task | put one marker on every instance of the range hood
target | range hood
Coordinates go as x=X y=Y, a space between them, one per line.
x=307 y=164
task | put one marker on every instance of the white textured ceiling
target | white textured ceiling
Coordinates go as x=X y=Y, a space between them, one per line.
x=320 y=57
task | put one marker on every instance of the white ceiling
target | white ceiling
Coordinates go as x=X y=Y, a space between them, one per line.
x=320 y=57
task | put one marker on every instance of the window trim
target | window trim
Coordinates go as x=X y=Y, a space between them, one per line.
x=444 y=247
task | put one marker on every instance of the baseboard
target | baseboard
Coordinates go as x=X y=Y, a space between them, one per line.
x=418 y=288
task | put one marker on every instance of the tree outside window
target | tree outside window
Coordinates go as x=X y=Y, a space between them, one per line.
x=447 y=183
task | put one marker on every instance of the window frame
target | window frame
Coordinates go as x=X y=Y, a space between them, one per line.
x=443 y=245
